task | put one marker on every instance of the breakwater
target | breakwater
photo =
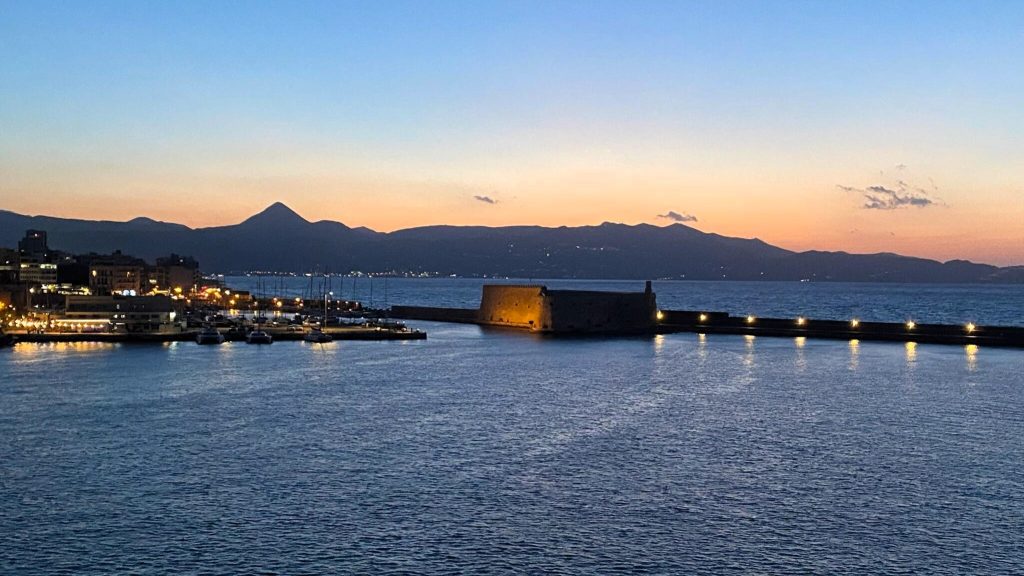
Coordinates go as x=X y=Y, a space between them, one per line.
x=853 y=329
x=712 y=322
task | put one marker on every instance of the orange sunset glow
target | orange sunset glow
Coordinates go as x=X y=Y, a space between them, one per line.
x=792 y=146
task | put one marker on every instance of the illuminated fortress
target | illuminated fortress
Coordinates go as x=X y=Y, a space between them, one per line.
x=538 y=309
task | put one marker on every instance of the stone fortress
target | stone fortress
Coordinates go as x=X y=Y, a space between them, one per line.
x=538 y=309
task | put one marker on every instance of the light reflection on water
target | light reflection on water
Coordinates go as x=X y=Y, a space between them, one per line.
x=748 y=344
x=971 y=353
x=32 y=350
x=911 y=353
x=800 y=362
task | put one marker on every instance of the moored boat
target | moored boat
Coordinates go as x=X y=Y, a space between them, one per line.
x=209 y=335
x=317 y=336
x=259 y=337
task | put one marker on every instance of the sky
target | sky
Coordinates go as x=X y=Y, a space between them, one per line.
x=857 y=126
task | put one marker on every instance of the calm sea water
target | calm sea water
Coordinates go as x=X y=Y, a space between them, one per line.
x=481 y=451
x=993 y=304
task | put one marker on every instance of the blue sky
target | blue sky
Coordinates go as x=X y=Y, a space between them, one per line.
x=749 y=115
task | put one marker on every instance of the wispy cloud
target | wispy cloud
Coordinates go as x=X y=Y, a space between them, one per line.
x=882 y=198
x=485 y=199
x=677 y=217
x=900 y=195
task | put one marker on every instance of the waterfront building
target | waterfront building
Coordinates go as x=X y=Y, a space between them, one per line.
x=34 y=245
x=37 y=272
x=72 y=270
x=119 y=313
x=117 y=274
x=178 y=274
x=35 y=262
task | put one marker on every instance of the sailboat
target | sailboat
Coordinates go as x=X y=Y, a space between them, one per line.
x=317 y=335
x=258 y=336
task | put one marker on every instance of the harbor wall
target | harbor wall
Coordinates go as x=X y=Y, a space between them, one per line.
x=435 y=314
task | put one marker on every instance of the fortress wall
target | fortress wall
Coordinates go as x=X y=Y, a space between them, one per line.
x=577 y=311
x=514 y=306
x=567 y=311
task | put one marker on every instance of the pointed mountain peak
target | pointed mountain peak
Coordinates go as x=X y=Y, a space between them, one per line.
x=277 y=214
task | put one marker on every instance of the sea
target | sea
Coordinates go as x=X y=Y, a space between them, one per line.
x=482 y=451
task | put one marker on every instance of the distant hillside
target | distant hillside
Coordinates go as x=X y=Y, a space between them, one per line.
x=279 y=239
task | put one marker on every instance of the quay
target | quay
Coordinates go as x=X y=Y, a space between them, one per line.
x=572 y=313
x=279 y=335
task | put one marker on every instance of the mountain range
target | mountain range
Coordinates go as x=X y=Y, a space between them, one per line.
x=279 y=239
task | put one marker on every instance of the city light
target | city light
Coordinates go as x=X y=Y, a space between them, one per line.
x=970 y=327
x=800 y=321
x=854 y=323
x=660 y=315
x=750 y=319
x=911 y=324
x=703 y=317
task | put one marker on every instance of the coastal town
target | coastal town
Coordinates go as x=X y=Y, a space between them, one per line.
x=49 y=295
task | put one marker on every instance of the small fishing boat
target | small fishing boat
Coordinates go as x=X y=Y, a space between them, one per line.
x=209 y=335
x=259 y=337
x=317 y=336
